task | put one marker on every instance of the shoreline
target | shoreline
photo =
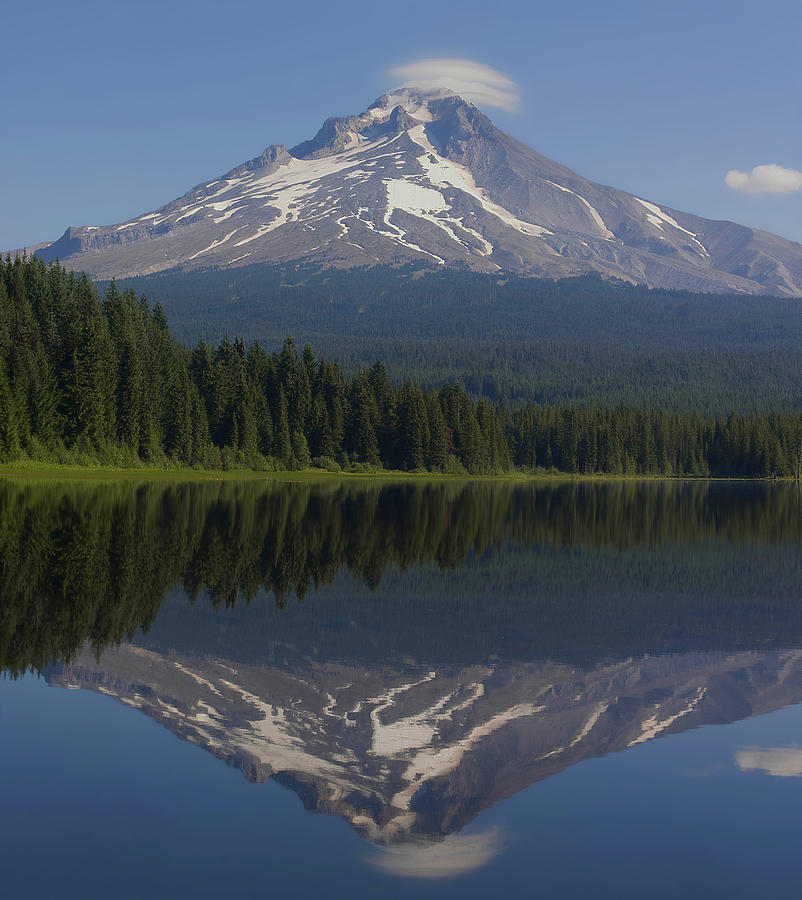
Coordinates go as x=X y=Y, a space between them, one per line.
x=54 y=471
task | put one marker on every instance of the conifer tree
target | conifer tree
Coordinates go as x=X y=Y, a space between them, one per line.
x=436 y=457
x=9 y=432
x=282 y=447
x=413 y=428
x=363 y=433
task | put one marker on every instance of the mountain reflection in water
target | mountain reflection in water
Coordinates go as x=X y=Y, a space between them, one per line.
x=456 y=641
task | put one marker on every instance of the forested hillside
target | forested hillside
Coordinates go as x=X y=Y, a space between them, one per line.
x=85 y=379
x=580 y=341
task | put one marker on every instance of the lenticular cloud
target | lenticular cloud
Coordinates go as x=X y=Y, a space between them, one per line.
x=475 y=82
x=771 y=179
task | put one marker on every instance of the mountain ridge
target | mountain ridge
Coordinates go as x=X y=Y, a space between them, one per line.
x=426 y=176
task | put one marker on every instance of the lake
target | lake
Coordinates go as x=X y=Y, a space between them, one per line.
x=435 y=688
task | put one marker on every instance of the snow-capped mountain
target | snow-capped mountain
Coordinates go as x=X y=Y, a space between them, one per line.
x=426 y=176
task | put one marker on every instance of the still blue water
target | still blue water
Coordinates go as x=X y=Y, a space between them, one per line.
x=564 y=703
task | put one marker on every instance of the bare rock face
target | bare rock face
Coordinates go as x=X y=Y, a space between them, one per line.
x=427 y=176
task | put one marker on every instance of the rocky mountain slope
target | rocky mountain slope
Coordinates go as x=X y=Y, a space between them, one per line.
x=428 y=177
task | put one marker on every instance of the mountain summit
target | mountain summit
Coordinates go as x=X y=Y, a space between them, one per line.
x=426 y=176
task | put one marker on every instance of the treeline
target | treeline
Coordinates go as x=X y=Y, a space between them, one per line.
x=518 y=371
x=85 y=379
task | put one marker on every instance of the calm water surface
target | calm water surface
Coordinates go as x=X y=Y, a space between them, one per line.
x=337 y=690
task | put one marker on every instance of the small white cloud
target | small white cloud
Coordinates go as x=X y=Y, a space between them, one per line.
x=771 y=179
x=783 y=762
x=471 y=80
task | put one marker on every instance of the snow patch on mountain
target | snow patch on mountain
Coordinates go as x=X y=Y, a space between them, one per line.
x=215 y=244
x=446 y=173
x=592 y=211
x=430 y=205
x=657 y=217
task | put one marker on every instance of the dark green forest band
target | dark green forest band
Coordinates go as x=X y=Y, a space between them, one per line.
x=580 y=341
x=85 y=380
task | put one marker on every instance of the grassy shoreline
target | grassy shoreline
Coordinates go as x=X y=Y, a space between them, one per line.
x=36 y=470
x=155 y=473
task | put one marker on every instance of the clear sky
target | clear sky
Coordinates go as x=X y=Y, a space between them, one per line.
x=111 y=109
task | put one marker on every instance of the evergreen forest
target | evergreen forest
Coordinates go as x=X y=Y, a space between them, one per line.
x=574 y=342
x=90 y=379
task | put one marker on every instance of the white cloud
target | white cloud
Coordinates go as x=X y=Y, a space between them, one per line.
x=475 y=82
x=771 y=179
x=783 y=762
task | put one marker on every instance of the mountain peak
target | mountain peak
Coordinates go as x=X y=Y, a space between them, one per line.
x=393 y=112
x=413 y=100
x=422 y=174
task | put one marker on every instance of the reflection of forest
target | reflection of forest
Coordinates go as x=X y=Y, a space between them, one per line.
x=597 y=568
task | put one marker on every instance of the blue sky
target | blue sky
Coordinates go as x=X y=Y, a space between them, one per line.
x=113 y=109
